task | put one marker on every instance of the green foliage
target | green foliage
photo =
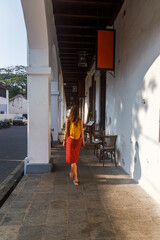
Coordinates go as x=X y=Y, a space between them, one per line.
x=90 y=116
x=15 y=79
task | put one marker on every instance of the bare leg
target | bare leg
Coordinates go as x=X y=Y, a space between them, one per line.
x=75 y=171
x=71 y=172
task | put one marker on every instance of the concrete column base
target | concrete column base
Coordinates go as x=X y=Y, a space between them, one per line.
x=37 y=168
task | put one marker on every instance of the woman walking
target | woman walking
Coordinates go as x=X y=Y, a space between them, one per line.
x=73 y=133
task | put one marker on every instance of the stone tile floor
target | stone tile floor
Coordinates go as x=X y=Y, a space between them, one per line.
x=107 y=205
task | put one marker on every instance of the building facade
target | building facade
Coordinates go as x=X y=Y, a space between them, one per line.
x=124 y=102
x=4 y=100
x=18 y=104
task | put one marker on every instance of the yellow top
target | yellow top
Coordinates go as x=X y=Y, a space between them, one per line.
x=75 y=130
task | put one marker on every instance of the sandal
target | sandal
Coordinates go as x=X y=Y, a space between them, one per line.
x=75 y=182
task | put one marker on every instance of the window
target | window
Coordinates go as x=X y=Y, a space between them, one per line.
x=3 y=108
x=2 y=92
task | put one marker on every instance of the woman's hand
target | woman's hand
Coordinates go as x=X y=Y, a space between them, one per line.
x=64 y=143
x=83 y=143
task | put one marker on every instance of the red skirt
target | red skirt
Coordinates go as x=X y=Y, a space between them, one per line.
x=72 y=150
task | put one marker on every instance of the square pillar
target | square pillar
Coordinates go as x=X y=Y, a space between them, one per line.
x=39 y=124
x=60 y=103
x=54 y=110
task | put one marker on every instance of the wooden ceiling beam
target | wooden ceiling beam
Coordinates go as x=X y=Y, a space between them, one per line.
x=73 y=73
x=69 y=31
x=74 y=51
x=74 y=70
x=71 y=83
x=76 y=35
x=77 y=42
x=69 y=57
x=77 y=45
x=60 y=15
x=74 y=54
x=88 y=2
x=75 y=27
x=66 y=80
x=81 y=22
x=76 y=39
x=76 y=48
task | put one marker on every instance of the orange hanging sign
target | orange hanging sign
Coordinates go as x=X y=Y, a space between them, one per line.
x=105 y=49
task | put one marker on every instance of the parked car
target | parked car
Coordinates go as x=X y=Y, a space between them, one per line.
x=5 y=124
x=19 y=121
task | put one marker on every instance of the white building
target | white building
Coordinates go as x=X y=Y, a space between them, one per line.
x=4 y=102
x=125 y=102
x=18 y=104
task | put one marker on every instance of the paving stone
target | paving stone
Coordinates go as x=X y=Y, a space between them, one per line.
x=24 y=196
x=1 y=216
x=148 y=228
x=78 y=237
x=57 y=196
x=102 y=231
x=31 y=232
x=58 y=204
x=127 y=230
x=103 y=207
x=55 y=231
x=9 y=232
x=35 y=217
x=42 y=197
x=77 y=216
x=95 y=204
x=7 y=203
x=76 y=204
x=13 y=219
x=100 y=220
x=20 y=206
x=79 y=230
x=41 y=205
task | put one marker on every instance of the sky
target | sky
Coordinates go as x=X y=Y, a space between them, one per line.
x=13 y=38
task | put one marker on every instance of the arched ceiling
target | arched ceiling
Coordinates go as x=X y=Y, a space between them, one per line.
x=76 y=23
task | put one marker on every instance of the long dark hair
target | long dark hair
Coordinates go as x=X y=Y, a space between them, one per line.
x=74 y=114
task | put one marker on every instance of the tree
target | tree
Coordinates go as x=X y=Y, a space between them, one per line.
x=15 y=79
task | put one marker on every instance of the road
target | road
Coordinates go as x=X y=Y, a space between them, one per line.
x=13 y=149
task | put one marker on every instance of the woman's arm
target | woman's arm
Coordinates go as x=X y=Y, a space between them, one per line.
x=83 y=142
x=65 y=133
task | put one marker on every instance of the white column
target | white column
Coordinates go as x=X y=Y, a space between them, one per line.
x=39 y=127
x=54 y=110
x=60 y=103
x=55 y=97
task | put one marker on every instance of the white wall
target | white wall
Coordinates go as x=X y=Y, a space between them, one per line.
x=132 y=97
x=88 y=82
x=18 y=105
x=5 y=101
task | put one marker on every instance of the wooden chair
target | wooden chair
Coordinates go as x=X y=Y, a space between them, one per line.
x=97 y=139
x=108 y=146
x=89 y=128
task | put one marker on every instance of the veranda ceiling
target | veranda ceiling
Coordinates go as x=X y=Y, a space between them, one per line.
x=77 y=22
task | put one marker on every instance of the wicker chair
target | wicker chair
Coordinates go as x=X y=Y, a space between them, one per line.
x=108 y=146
